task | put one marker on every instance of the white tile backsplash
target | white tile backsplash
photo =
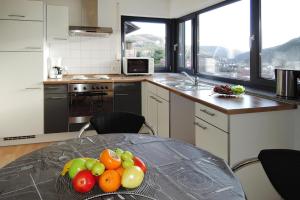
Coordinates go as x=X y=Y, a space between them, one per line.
x=87 y=55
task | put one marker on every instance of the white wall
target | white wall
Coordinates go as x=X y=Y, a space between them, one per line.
x=146 y=8
x=179 y=8
x=90 y=55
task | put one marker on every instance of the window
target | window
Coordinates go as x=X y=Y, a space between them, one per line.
x=242 y=41
x=280 y=41
x=185 y=55
x=223 y=41
x=146 y=37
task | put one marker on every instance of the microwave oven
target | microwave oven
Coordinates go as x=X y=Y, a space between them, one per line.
x=138 y=66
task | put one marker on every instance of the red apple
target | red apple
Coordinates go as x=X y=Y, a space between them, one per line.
x=84 y=181
x=138 y=162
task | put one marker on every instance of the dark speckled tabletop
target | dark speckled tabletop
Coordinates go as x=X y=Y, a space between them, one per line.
x=176 y=171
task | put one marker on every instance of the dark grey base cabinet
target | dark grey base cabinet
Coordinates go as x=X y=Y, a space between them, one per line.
x=127 y=97
x=56 y=108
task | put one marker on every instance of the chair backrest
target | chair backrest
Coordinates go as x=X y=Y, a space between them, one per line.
x=117 y=122
x=282 y=167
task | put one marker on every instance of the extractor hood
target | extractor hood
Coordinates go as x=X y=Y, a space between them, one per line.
x=89 y=21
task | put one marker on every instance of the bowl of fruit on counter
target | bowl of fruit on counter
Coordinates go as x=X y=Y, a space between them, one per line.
x=229 y=91
x=113 y=170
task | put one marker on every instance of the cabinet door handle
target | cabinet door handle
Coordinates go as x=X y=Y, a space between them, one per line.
x=158 y=101
x=152 y=97
x=56 y=98
x=52 y=88
x=33 y=48
x=200 y=126
x=33 y=88
x=22 y=16
x=58 y=38
x=207 y=112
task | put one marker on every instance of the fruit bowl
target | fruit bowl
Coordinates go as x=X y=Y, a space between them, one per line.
x=113 y=172
x=227 y=91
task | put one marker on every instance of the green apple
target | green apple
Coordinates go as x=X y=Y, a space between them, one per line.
x=78 y=165
x=126 y=155
x=119 y=152
x=98 y=169
x=132 y=177
x=127 y=163
x=90 y=162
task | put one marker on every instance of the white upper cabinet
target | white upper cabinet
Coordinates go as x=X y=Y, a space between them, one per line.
x=18 y=35
x=57 y=23
x=21 y=10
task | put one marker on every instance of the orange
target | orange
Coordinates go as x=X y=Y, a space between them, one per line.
x=120 y=170
x=110 y=159
x=110 y=181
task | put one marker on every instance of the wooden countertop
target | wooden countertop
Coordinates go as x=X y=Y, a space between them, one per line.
x=245 y=104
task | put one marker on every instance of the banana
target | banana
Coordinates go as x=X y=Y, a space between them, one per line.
x=66 y=168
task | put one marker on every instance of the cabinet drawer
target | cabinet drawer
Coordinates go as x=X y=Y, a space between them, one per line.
x=212 y=116
x=21 y=10
x=211 y=139
x=163 y=93
x=152 y=88
x=56 y=89
x=127 y=87
x=21 y=35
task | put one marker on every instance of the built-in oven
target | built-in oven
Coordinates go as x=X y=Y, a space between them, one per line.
x=85 y=100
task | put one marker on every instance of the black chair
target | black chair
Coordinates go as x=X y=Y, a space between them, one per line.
x=116 y=122
x=282 y=167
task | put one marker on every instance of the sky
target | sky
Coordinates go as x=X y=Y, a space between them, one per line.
x=157 y=29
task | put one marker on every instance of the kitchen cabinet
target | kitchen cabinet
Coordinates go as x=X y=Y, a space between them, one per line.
x=211 y=131
x=182 y=118
x=57 y=23
x=18 y=35
x=157 y=113
x=21 y=99
x=163 y=124
x=21 y=10
x=241 y=136
x=212 y=139
x=127 y=97
x=56 y=108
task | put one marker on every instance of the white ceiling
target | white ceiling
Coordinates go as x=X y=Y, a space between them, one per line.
x=179 y=8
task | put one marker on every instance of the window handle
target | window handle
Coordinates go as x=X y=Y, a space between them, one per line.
x=251 y=39
x=175 y=47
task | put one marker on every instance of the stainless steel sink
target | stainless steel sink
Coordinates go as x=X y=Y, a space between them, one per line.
x=169 y=83
x=186 y=85
x=189 y=87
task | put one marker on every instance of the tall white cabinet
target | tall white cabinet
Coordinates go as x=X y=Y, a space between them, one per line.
x=21 y=68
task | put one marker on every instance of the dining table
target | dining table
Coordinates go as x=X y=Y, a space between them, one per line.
x=175 y=171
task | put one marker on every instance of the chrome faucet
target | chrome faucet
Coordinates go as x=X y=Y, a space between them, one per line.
x=193 y=79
